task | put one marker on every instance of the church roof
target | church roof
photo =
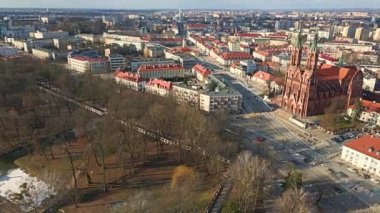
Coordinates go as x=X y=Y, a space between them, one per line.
x=330 y=72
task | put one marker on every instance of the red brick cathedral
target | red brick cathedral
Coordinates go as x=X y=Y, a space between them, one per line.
x=310 y=89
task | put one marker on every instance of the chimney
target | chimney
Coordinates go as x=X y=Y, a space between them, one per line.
x=370 y=149
x=378 y=152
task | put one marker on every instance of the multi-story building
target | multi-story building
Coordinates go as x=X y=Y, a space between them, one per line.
x=130 y=80
x=362 y=33
x=308 y=90
x=42 y=53
x=376 y=35
x=349 y=31
x=153 y=51
x=185 y=94
x=161 y=71
x=220 y=98
x=7 y=51
x=370 y=112
x=228 y=58
x=364 y=154
x=243 y=68
x=201 y=72
x=87 y=64
x=135 y=64
x=89 y=37
x=226 y=100
x=116 y=61
x=49 y=34
x=158 y=87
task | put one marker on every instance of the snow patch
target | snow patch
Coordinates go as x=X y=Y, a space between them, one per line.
x=38 y=190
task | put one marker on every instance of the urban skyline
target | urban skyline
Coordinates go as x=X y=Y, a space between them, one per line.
x=196 y=4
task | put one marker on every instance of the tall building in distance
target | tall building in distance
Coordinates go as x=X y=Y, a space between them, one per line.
x=307 y=91
x=349 y=31
x=362 y=33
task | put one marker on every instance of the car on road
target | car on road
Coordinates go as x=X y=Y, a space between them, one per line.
x=260 y=139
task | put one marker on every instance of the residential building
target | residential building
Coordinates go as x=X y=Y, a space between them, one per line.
x=201 y=72
x=370 y=112
x=158 y=87
x=364 y=154
x=234 y=46
x=161 y=71
x=376 y=35
x=185 y=94
x=243 y=68
x=349 y=31
x=42 y=53
x=7 y=51
x=88 y=37
x=362 y=33
x=228 y=58
x=153 y=51
x=309 y=90
x=130 y=80
x=135 y=64
x=49 y=34
x=87 y=64
x=222 y=98
x=262 y=77
x=116 y=61
x=228 y=100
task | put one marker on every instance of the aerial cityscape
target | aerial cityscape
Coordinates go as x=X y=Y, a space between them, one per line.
x=190 y=106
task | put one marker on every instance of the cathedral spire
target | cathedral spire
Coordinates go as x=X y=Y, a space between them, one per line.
x=314 y=43
x=296 y=57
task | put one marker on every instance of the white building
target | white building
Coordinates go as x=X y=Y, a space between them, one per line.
x=186 y=95
x=158 y=87
x=42 y=53
x=87 y=64
x=49 y=34
x=228 y=100
x=116 y=61
x=7 y=51
x=130 y=80
x=364 y=154
x=200 y=72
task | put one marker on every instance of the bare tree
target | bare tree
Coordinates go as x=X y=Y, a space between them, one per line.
x=248 y=174
x=294 y=200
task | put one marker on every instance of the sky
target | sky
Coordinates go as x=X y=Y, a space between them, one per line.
x=193 y=4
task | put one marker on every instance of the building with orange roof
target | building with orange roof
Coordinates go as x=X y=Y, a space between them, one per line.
x=201 y=72
x=130 y=80
x=310 y=89
x=161 y=71
x=158 y=87
x=262 y=77
x=370 y=112
x=364 y=154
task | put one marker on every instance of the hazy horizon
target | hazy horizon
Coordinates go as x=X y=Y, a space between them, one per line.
x=194 y=4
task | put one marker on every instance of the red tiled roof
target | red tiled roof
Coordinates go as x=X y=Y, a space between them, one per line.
x=202 y=70
x=367 y=145
x=180 y=50
x=159 y=67
x=160 y=83
x=128 y=76
x=369 y=106
x=263 y=75
x=236 y=55
x=327 y=57
x=330 y=72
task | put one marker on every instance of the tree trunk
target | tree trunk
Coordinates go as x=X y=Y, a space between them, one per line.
x=72 y=168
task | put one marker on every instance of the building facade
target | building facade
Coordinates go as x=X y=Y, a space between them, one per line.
x=87 y=64
x=309 y=90
x=116 y=61
x=364 y=154
x=130 y=80
x=161 y=71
